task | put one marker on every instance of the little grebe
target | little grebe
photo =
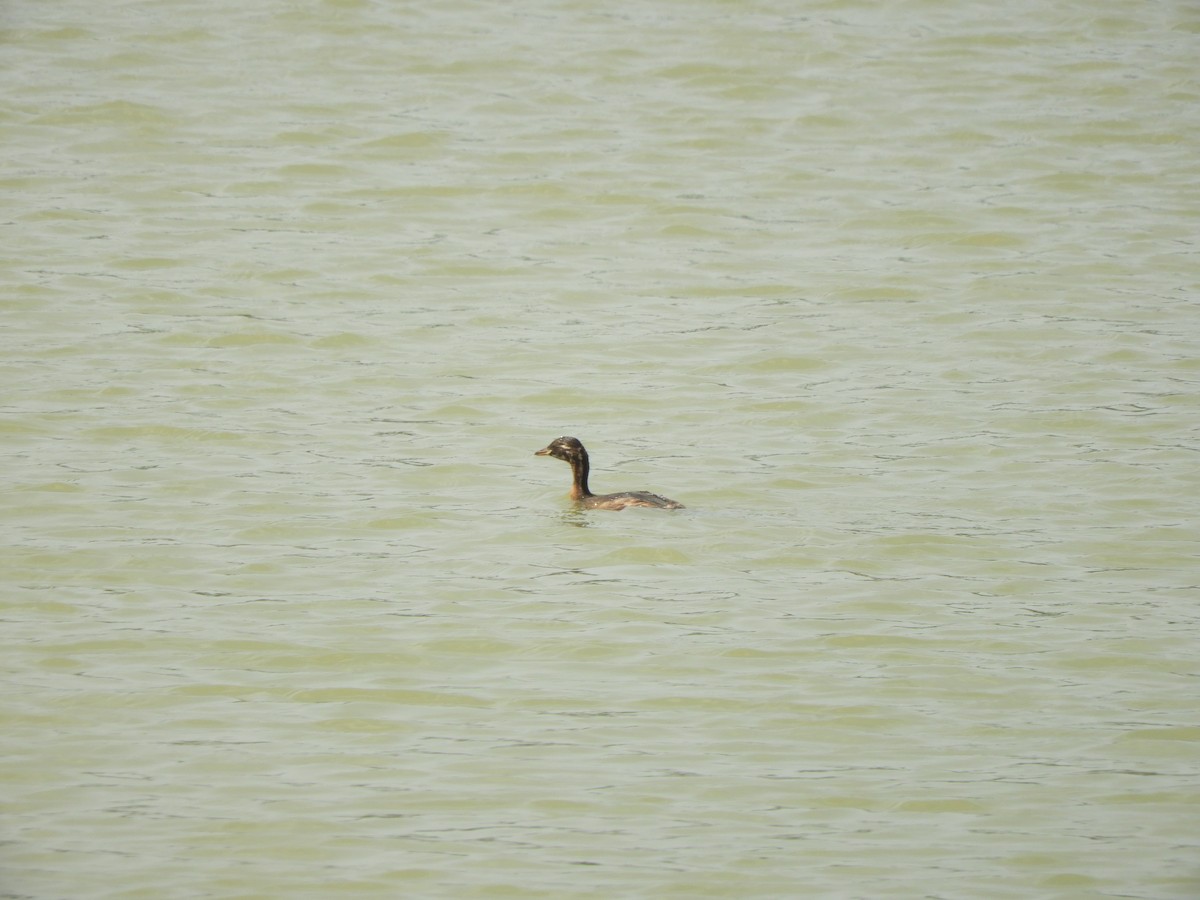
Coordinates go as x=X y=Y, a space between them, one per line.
x=570 y=450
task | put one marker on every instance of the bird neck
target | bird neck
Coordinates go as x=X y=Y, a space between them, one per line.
x=579 y=469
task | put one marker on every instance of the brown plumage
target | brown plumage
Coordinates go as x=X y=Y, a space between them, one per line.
x=571 y=451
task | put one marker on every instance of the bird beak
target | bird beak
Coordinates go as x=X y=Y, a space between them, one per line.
x=545 y=451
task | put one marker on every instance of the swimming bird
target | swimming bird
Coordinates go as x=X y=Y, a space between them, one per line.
x=571 y=451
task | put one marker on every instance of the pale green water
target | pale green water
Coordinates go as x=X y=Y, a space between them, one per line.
x=900 y=300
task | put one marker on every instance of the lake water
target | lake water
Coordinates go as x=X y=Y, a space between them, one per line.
x=899 y=299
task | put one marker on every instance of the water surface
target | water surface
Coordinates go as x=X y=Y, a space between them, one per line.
x=899 y=300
